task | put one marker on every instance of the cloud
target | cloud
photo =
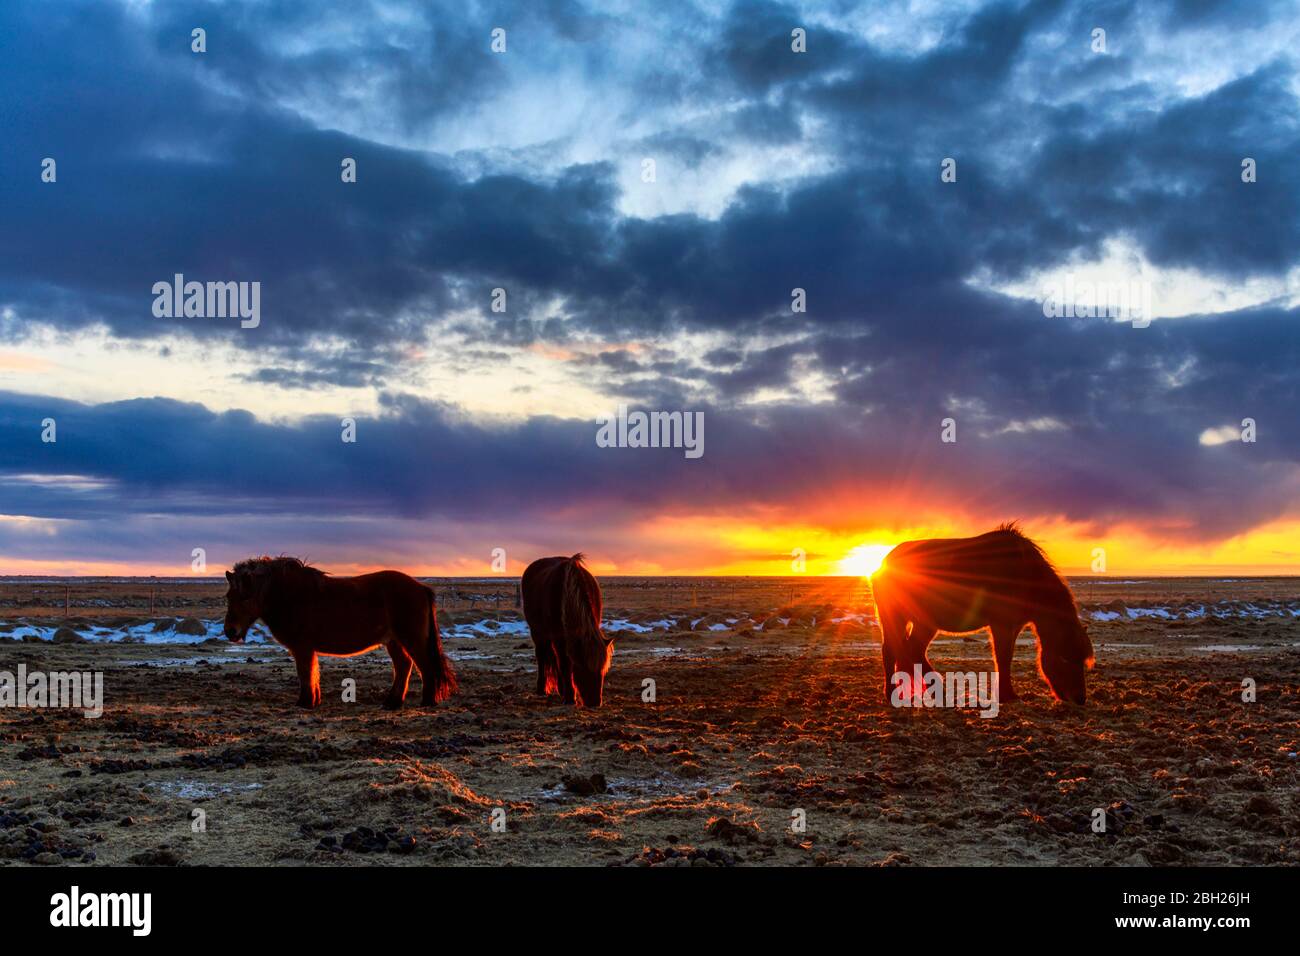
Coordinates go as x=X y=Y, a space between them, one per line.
x=778 y=171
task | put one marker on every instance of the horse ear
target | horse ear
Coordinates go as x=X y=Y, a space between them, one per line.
x=230 y=578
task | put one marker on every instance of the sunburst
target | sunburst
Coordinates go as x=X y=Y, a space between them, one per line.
x=864 y=560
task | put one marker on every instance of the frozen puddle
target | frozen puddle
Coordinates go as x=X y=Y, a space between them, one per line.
x=488 y=627
x=1234 y=648
x=619 y=625
x=633 y=651
x=160 y=631
x=475 y=656
x=1223 y=610
x=188 y=661
x=633 y=788
x=201 y=790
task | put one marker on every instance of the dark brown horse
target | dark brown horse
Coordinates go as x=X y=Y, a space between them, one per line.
x=311 y=614
x=562 y=606
x=1000 y=580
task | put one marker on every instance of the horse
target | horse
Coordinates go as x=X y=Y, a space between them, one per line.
x=1001 y=580
x=562 y=606
x=312 y=613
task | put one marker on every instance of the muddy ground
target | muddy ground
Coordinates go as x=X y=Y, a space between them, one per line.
x=749 y=732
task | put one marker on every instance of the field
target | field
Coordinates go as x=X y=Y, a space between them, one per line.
x=767 y=740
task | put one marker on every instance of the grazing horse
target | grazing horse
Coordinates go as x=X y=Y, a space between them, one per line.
x=311 y=613
x=1000 y=580
x=562 y=606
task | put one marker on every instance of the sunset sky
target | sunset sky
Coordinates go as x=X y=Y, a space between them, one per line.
x=524 y=170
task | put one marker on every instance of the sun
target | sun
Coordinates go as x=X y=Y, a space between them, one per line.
x=864 y=560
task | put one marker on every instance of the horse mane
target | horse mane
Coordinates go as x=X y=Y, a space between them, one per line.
x=284 y=568
x=579 y=616
x=1032 y=547
x=1056 y=586
x=1013 y=528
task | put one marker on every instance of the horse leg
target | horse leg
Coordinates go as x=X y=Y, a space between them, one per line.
x=545 y=656
x=308 y=665
x=888 y=661
x=1004 y=648
x=895 y=653
x=565 y=672
x=891 y=633
x=920 y=640
x=420 y=651
x=425 y=665
x=402 y=664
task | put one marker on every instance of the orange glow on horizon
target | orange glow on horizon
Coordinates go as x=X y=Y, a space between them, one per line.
x=759 y=546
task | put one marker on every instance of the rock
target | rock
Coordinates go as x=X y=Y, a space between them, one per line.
x=66 y=635
x=1165 y=854
x=47 y=859
x=585 y=786
x=1262 y=805
x=191 y=626
x=162 y=856
x=729 y=831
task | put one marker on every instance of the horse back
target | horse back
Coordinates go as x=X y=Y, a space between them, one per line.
x=963 y=584
x=543 y=591
x=346 y=614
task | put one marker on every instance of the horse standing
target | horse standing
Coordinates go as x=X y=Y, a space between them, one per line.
x=311 y=614
x=562 y=606
x=1000 y=580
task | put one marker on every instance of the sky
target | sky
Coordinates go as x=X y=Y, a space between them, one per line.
x=948 y=183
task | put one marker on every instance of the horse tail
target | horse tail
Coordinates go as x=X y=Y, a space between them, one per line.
x=550 y=671
x=442 y=678
x=580 y=609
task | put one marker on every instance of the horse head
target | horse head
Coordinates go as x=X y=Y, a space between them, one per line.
x=1064 y=657
x=245 y=600
x=590 y=665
